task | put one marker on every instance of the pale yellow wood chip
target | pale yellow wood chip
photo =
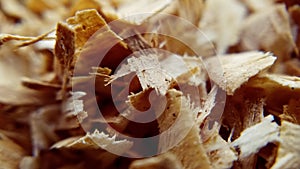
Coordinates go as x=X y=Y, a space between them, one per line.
x=148 y=70
x=251 y=141
x=180 y=117
x=256 y=5
x=220 y=153
x=269 y=30
x=138 y=11
x=10 y=153
x=190 y=10
x=163 y=161
x=221 y=24
x=232 y=70
x=96 y=140
x=74 y=106
x=288 y=155
x=292 y=82
x=29 y=162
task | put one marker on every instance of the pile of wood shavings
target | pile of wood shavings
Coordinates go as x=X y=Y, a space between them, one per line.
x=43 y=122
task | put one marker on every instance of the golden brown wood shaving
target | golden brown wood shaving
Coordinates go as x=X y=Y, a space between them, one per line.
x=10 y=153
x=293 y=67
x=291 y=111
x=190 y=151
x=7 y=37
x=73 y=35
x=269 y=132
x=288 y=155
x=85 y=23
x=231 y=71
x=163 y=161
x=269 y=30
x=39 y=85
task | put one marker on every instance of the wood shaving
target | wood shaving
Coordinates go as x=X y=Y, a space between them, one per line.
x=288 y=152
x=220 y=153
x=216 y=83
x=222 y=69
x=96 y=140
x=165 y=161
x=11 y=153
x=269 y=133
x=214 y=26
x=147 y=67
x=186 y=151
x=273 y=26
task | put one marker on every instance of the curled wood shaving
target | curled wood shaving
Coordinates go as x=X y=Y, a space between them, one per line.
x=269 y=132
x=233 y=70
x=288 y=155
x=29 y=40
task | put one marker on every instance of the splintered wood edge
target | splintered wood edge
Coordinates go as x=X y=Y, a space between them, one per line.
x=231 y=71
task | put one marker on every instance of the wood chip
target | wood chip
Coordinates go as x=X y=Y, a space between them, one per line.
x=190 y=149
x=288 y=153
x=96 y=140
x=214 y=26
x=164 y=161
x=269 y=132
x=10 y=153
x=223 y=69
x=269 y=30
